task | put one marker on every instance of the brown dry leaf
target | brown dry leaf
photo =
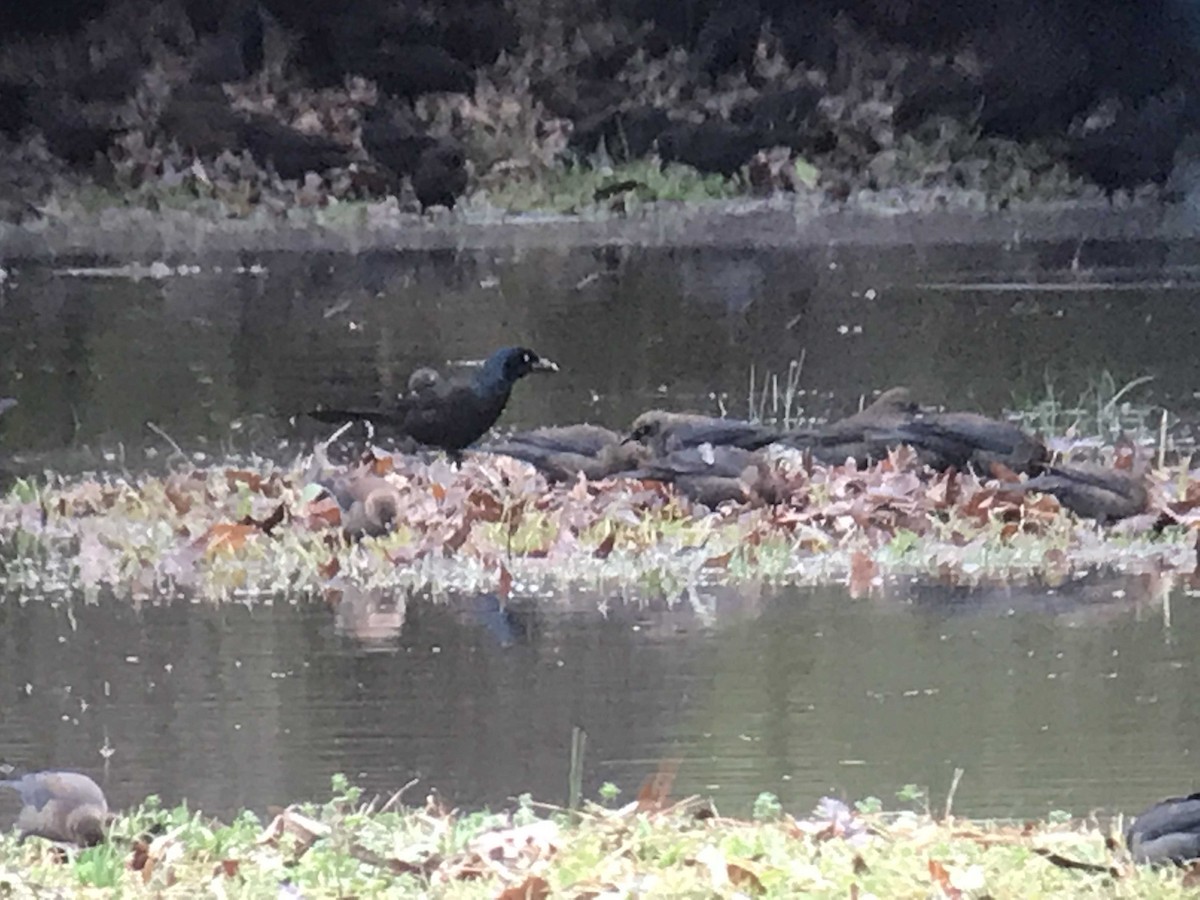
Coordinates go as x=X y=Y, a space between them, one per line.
x=485 y=506
x=860 y=865
x=744 y=876
x=329 y=568
x=231 y=536
x=720 y=561
x=380 y=465
x=227 y=867
x=139 y=855
x=252 y=480
x=305 y=829
x=941 y=876
x=179 y=500
x=324 y=513
x=505 y=584
x=458 y=537
x=164 y=851
x=1191 y=876
x=654 y=790
x=605 y=547
x=532 y=888
x=439 y=492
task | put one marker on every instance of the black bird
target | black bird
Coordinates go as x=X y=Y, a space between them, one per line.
x=1169 y=831
x=61 y=806
x=452 y=413
x=394 y=140
x=710 y=146
x=665 y=432
x=1091 y=491
x=441 y=176
x=370 y=505
x=965 y=439
x=201 y=120
x=713 y=475
x=292 y=153
x=564 y=453
x=857 y=436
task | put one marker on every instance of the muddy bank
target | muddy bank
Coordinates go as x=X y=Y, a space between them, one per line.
x=251 y=106
x=132 y=235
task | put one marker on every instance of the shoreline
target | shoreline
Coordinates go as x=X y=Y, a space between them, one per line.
x=652 y=847
x=128 y=235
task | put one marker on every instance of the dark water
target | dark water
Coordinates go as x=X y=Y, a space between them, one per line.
x=220 y=359
x=1076 y=699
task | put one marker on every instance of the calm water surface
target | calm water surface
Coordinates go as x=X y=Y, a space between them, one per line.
x=1076 y=698
x=1072 y=699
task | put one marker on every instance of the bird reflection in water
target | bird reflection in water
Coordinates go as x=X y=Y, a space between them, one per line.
x=505 y=625
x=372 y=618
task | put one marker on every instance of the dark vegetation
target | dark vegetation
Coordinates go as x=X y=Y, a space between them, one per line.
x=430 y=100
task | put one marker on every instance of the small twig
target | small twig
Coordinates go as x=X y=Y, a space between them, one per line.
x=575 y=782
x=1162 y=440
x=166 y=437
x=337 y=434
x=958 y=774
x=395 y=798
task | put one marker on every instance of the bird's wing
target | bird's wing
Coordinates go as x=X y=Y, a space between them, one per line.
x=35 y=790
x=588 y=440
x=1172 y=815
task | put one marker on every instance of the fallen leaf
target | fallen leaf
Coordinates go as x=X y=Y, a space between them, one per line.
x=381 y=465
x=180 y=501
x=532 y=888
x=720 y=561
x=252 y=480
x=230 y=536
x=742 y=875
x=1191 y=876
x=941 y=876
x=605 y=547
x=329 y=568
x=652 y=796
x=227 y=867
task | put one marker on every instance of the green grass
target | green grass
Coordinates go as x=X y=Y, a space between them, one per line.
x=347 y=846
x=1106 y=409
x=573 y=188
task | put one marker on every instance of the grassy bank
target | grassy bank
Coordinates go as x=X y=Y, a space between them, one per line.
x=651 y=847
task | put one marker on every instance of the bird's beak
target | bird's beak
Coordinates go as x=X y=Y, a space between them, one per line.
x=545 y=365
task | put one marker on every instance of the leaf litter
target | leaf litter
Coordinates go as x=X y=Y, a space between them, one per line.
x=652 y=847
x=496 y=524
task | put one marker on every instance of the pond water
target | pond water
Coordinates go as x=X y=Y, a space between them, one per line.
x=1074 y=698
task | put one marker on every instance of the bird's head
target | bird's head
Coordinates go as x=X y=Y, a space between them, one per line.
x=87 y=825
x=645 y=428
x=897 y=399
x=511 y=364
x=423 y=379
